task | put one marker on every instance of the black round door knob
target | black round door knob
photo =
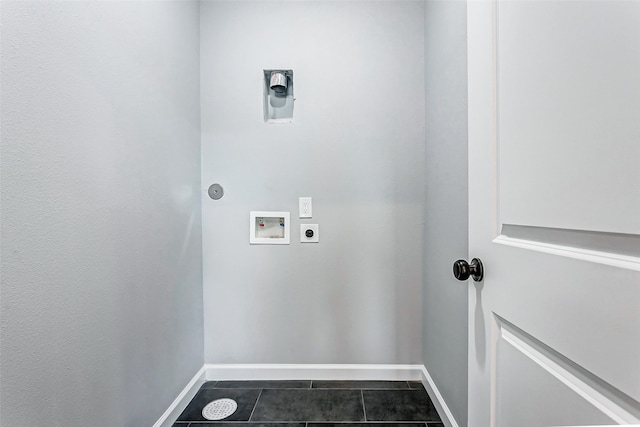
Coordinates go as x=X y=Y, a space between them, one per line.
x=462 y=270
x=309 y=233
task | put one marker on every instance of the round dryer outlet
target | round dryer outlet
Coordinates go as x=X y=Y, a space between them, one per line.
x=309 y=233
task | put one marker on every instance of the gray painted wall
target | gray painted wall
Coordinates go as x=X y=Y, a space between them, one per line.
x=446 y=209
x=356 y=146
x=101 y=223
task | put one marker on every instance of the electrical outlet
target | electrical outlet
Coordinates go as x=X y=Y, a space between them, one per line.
x=305 y=207
x=309 y=233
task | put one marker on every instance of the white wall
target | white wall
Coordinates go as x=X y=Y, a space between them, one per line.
x=356 y=146
x=446 y=216
x=101 y=230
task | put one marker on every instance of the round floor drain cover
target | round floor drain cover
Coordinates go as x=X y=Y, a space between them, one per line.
x=219 y=409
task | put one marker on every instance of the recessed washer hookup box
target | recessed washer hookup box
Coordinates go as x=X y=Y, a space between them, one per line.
x=269 y=228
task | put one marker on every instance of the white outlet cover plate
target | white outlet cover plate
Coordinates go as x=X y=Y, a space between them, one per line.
x=316 y=233
x=305 y=207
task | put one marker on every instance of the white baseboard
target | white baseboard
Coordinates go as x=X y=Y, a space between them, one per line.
x=313 y=372
x=438 y=401
x=177 y=406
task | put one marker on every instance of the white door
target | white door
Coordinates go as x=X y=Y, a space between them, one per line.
x=554 y=205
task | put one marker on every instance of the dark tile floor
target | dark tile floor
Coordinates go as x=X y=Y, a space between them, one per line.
x=315 y=404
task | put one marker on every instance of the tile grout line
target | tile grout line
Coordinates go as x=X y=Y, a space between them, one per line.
x=364 y=409
x=255 y=406
x=349 y=388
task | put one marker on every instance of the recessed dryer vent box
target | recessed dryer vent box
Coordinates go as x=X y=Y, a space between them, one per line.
x=269 y=228
x=278 y=96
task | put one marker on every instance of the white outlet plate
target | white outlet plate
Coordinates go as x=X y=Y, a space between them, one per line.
x=305 y=207
x=316 y=233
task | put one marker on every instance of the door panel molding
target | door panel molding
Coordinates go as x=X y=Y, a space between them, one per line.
x=612 y=243
x=611 y=402
x=561 y=243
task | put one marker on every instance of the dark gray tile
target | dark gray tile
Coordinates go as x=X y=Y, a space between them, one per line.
x=361 y=384
x=399 y=405
x=263 y=384
x=367 y=425
x=246 y=400
x=237 y=424
x=416 y=385
x=309 y=405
